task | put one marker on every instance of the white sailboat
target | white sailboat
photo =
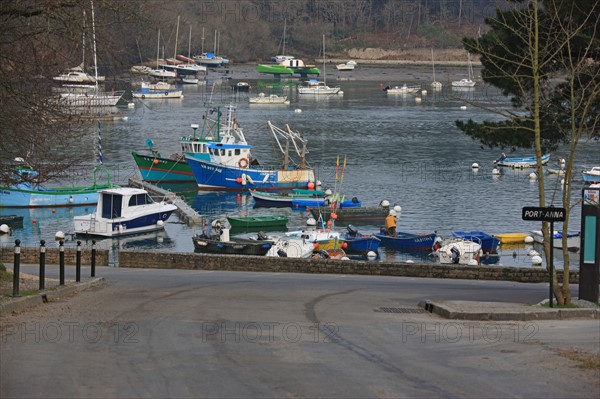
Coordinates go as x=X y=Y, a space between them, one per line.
x=94 y=98
x=315 y=87
x=469 y=82
x=282 y=57
x=160 y=73
x=435 y=85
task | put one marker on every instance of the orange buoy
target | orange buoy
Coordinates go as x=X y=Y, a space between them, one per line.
x=34 y=221
x=311 y=185
x=316 y=245
x=345 y=245
x=333 y=215
x=238 y=179
x=155 y=161
x=53 y=210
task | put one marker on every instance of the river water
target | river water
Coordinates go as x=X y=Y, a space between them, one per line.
x=396 y=148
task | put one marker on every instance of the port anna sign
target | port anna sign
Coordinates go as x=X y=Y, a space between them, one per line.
x=544 y=214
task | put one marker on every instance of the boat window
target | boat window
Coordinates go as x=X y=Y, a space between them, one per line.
x=237 y=151
x=111 y=206
x=222 y=152
x=140 y=199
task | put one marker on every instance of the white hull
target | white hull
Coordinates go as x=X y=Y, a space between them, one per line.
x=271 y=99
x=99 y=99
x=466 y=255
x=573 y=240
x=403 y=89
x=292 y=247
x=463 y=83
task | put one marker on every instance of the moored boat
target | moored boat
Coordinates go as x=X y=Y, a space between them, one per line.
x=573 y=239
x=123 y=211
x=285 y=199
x=232 y=167
x=489 y=243
x=520 y=162
x=155 y=168
x=352 y=214
x=592 y=175
x=257 y=221
x=355 y=242
x=158 y=90
x=407 y=241
x=457 y=251
x=270 y=99
x=222 y=244
x=404 y=89
x=511 y=238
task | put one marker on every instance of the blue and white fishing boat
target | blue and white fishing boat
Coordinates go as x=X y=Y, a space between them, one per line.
x=489 y=243
x=124 y=211
x=520 y=162
x=407 y=241
x=232 y=167
x=154 y=168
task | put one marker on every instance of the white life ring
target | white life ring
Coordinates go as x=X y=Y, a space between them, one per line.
x=243 y=163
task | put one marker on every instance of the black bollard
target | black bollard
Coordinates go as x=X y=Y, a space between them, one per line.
x=78 y=263
x=93 y=258
x=42 y=264
x=16 y=268
x=61 y=261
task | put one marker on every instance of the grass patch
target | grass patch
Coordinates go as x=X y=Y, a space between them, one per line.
x=584 y=360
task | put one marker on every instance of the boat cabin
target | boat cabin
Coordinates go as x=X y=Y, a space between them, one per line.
x=237 y=155
x=112 y=203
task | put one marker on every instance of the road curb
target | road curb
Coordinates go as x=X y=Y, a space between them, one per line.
x=485 y=312
x=23 y=303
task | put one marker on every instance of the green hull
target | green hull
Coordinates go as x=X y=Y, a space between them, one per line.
x=283 y=70
x=156 y=169
x=257 y=221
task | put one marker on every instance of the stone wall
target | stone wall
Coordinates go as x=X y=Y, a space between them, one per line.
x=193 y=261
x=31 y=255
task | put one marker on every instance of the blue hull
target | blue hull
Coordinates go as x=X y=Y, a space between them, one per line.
x=408 y=241
x=361 y=244
x=489 y=243
x=212 y=176
x=14 y=198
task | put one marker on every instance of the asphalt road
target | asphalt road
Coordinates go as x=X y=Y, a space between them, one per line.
x=175 y=333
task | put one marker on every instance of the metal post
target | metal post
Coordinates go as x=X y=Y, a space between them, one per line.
x=16 y=268
x=78 y=263
x=42 y=264
x=551 y=263
x=61 y=261
x=93 y=258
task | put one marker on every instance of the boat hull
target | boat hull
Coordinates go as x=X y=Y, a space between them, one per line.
x=573 y=239
x=361 y=244
x=155 y=169
x=18 y=198
x=87 y=225
x=525 y=162
x=489 y=243
x=592 y=175
x=257 y=221
x=408 y=241
x=353 y=215
x=235 y=247
x=511 y=238
x=212 y=176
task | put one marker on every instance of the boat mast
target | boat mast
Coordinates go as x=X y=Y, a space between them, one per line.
x=324 y=74
x=190 y=43
x=83 y=47
x=433 y=64
x=202 y=51
x=284 y=25
x=158 y=49
x=94 y=41
x=176 y=38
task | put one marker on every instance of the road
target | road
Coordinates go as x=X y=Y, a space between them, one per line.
x=176 y=333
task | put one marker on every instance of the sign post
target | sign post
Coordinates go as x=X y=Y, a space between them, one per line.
x=589 y=266
x=546 y=214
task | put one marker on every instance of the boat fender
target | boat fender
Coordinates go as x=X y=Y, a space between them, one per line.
x=143 y=96
x=244 y=179
x=243 y=163
x=264 y=180
x=250 y=180
x=166 y=93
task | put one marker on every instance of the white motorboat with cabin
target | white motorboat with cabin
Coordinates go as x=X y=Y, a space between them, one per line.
x=122 y=211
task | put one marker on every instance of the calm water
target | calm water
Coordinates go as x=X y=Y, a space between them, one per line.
x=396 y=148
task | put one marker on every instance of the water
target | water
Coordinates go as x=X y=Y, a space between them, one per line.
x=395 y=148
